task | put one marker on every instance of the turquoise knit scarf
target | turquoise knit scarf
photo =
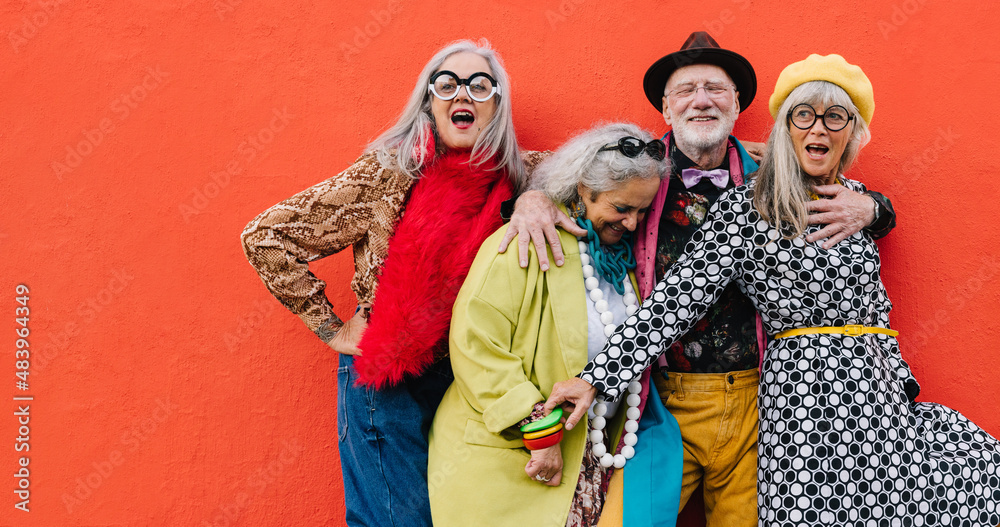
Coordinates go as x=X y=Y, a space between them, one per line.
x=612 y=262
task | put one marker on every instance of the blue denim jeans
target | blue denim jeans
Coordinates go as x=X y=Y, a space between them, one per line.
x=383 y=446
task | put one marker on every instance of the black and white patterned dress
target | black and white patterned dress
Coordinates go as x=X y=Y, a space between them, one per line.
x=841 y=442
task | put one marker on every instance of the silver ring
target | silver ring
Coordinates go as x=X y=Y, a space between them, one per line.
x=540 y=478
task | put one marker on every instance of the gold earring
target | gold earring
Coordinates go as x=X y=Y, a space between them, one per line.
x=578 y=208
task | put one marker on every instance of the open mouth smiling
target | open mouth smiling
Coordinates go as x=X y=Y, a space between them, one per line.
x=462 y=118
x=816 y=151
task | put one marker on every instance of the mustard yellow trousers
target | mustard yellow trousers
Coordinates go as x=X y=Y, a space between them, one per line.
x=717 y=414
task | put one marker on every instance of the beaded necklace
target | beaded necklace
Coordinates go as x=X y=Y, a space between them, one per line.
x=624 y=287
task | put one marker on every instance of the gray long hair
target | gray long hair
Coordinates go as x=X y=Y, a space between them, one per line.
x=578 y=161
x=782 y=187
x=397 y=147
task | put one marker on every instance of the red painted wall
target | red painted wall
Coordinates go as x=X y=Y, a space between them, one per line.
x=137 y=140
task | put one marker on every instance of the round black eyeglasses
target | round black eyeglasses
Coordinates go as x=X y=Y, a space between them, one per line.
x=803 y=117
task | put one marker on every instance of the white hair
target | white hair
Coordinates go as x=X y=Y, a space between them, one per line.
x=398 y=147
x=579 y=161
x=782 y=187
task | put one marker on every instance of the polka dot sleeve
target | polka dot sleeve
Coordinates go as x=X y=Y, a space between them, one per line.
x=689 y=288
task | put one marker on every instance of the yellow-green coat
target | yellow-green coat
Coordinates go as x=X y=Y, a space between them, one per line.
x=514 y=333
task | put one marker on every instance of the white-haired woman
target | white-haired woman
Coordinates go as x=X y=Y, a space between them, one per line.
x=841 y=440
x=518 y=331
x=450 y=160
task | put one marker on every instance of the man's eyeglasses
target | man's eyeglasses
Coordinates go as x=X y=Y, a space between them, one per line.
x=632 y=147
x=480 y=86
x=715 y=90
x=804 y=116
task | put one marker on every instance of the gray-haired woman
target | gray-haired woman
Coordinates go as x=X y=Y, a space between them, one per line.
x=516 y=332
x=450 y=161
x=841 y=440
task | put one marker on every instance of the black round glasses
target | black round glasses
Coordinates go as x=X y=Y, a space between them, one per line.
x=804 y=116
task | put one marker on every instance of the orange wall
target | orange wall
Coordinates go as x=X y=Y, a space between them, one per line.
x=171 y=389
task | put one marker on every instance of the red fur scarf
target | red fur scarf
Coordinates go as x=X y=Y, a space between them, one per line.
x=451 y=210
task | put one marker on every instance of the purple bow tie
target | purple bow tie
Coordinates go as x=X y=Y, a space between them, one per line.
x=691 y=176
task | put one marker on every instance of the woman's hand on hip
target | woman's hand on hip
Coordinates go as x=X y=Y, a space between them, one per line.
x=346 y=340
x=534 y=221
x=577 y=393
x=546 y=466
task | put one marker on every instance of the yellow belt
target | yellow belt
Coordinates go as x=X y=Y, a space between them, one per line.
x=852 y=330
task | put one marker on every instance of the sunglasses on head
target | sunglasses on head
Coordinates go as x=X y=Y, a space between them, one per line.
x=633 y=146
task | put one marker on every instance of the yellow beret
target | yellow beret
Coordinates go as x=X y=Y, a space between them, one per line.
x=831 y=68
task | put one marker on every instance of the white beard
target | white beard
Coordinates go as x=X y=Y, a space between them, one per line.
x=705 y=140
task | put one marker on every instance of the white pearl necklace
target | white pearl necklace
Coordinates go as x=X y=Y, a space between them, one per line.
x=600 y=407
x=631 y=427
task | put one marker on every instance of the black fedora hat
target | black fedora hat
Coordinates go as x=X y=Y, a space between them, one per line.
x=700 y=48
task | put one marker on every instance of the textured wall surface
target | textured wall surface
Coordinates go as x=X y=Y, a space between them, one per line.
x=138 y=139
